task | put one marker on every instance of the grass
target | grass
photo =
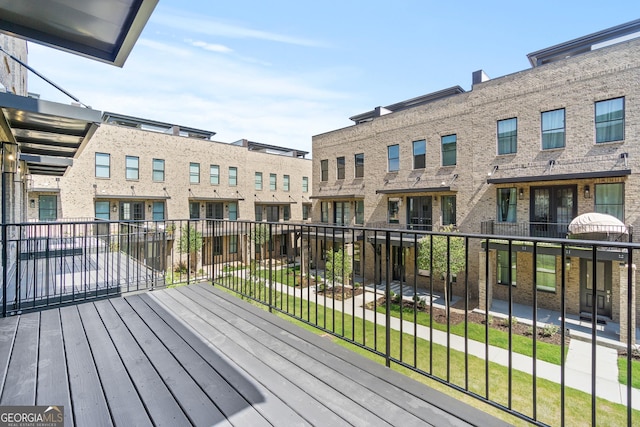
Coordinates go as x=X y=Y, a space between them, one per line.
x=635 y=372
x=434 y=360
x=289 y=276
x=523 y=345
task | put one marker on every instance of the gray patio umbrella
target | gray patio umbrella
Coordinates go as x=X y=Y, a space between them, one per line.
x=597 y=226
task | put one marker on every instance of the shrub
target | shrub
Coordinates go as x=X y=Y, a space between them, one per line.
x=550 y=330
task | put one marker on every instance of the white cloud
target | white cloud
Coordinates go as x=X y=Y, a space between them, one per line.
x=211 y=47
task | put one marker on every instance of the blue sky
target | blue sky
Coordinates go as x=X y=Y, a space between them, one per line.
x=279 y=72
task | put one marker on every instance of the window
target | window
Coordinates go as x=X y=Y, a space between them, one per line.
x=233 y=211
x=394 y=211
x=48 y=208
x=341 y=214
x=340 y=167
x=610 y=120
x=502 y=272
x=158 y=211
x=194 y=173
x=305 y=184
x=360 y=212
x=103 y=165
x=286 y=212
x=258 y=212
x=359 y=165
x=546 y=272
x=285 y=182
x=158 y=169
x=419 y=154
x=102 y=210
x=324 y=211
x=448 y=210
x=214 y=210
x=194 y=210
x=131 y=165
x=233 y=244
x=610 y=199
x=258 y=181
x=306 y=211
x=273 y=213
x=553 y=129
x=133 y=211
x=507 y=205
x=214 y=174
x=449 y=143
x=273 y=182
x=233 y=176
x=324 y=170
x=217 y=245
x=393 y=158
x=508 y=136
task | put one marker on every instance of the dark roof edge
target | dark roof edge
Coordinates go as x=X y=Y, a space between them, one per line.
x=561 y=177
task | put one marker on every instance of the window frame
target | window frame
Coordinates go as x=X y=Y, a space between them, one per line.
x=214 y=174
x=324 y=212
x=358 y=162
x=444 y=141
x=194 y=176
x=156 y=211
x=135 y=170
x=286 y=182
x=100 y=166
x=156 y=170
x=621 y=120
x=499 y=268
x=273 y=182
x=340 y=167
x=233 y=244
x=359 y=214
x=419 y=159
x=513 y=193
x=305 y=184
x=542 y=273
x=453 y=212
x=393 y=160
x=324 y=170
x=257 y=181
x=510 y=137
x=609 y=208
x=551 y=131
x=233 y=176
x=100 y=213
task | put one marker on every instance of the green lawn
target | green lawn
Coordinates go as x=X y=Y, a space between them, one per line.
x=523 y=345
x=433 y=358
x=289 y=276
x=635 y=372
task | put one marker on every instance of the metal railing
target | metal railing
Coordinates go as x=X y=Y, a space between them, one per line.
x=431 y=302
x=553 y=229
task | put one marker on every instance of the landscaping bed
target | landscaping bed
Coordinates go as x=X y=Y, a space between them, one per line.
x=340 y=292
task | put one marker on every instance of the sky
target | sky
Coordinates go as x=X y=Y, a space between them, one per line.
x=281 y=71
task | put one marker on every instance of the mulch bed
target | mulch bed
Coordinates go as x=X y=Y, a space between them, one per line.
x=457 y=315
x=635 y=355
x=340 y=292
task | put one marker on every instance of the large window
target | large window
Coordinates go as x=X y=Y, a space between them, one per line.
x=324 y=211
x=48 y=207
x=448 y=210
x=233 y=244
x=306 y=211
x=233 y=176
x=217 y=245
x=610 y=199
x=340 y=162
x=546 y=272
x=158 y=211
x=610 y=120
x=393 y=157
x=508 y=136
x=286 y=212
x=507 y=204
x=449 y=144
x=305 y=184
x=158 y=169
x=258 y=181
x=273 y=213
x=132 y=167
x=273 y=182
x=102 y=210
x=359 y=165
x=553 y=129
x=285 y=182
x=133 y=211
x=214 y=174
x=360 y=212
x=419 y=154
x=233 y=211
x=324 y=170
x=502 y=273
x=194 y=210
x=194 y=173
x=103 y=165
x=393 y=209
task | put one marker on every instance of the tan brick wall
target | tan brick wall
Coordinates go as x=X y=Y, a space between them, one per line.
x=13 y=76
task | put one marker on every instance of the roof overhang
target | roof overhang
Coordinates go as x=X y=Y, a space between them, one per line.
x=214 y=199
x=337 y=197
x=49 y=135
x=440 y=189
x=275 y=203
x=129 y=197
x=561 y=177
x=104 y=30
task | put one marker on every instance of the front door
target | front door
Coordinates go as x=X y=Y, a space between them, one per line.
x=552 y=209
x=397 y=263
x=419 y=213
x=603 y=287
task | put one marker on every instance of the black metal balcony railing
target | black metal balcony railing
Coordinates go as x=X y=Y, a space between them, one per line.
x=367 y=286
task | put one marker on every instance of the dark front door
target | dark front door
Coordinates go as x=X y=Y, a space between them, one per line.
x=552 y=209
x=603 y=287
x=397 y=263
x=419 y=213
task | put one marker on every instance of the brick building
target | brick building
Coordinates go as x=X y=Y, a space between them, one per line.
x=520 y=155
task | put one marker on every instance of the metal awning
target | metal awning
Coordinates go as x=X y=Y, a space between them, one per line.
x=561 y=177
x=49 y=135
x=440 y=189
x=104 y=30
x=130 y=197
x=215 y=199
x=337 y=197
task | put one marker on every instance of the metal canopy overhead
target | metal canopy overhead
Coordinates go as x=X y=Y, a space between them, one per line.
x=49 y=134
x=105 y=30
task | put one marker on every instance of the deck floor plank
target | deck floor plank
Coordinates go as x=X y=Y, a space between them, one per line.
x=20 y=384
x=227 y=398
x=8 y=329
x=53 y=383
x=89 y=403
x=123 y=399
x=161 y=405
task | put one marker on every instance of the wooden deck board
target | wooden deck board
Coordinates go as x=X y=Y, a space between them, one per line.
x=196 y=355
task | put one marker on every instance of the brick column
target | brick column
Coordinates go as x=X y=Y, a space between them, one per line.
x=485 y=290
x=625 y=304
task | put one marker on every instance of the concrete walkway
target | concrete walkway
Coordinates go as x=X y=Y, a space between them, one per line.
x=578 y=367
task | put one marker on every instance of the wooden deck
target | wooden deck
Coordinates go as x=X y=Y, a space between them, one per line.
x=195 y=355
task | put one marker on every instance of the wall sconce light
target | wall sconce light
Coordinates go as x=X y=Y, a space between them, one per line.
x=587 y=192
x=521 y=194
x=114 y=208
x=495 y=168
x=32 y=203
x=149 y=208
x=567 y=264
x=9 y=157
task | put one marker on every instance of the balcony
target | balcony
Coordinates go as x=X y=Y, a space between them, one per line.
x=525 y=229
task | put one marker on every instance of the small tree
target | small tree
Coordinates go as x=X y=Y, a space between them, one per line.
x=261 y=236
x=190 y=242
x=434 y=256
x=338 y=266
